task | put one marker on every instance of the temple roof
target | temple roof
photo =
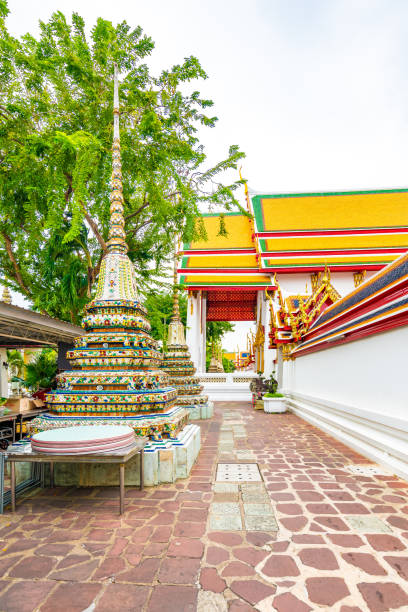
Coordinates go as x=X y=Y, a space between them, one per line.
x=300 y=232
x=346 y=230
x=239 y=235
x=223 y=261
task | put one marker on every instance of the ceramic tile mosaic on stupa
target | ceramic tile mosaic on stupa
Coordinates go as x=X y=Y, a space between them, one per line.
x=180 y=369
x=116 y=374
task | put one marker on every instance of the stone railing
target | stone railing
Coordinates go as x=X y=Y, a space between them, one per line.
x=243 y=379
x=213 y=379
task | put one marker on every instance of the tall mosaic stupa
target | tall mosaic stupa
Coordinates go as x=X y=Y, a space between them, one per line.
x=178 y=365
x=116 y=375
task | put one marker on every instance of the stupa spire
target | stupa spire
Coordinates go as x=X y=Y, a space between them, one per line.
x=117 y=277
x=176 y=309
x=176 y=327
x=117 y=236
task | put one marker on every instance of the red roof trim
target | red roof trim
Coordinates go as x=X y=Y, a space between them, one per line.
x=230 y=288
x=375 y=251
x=320 y=267
x=192 y=252
x=225 y=271
x=333 y=232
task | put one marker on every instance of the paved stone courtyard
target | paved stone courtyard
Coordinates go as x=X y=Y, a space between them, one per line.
x=310 y=535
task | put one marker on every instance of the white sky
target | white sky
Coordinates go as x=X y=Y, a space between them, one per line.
x=314 y=91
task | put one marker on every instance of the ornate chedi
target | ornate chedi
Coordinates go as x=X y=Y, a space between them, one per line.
x=6 y=297
x=179 y=367
x=116 y=375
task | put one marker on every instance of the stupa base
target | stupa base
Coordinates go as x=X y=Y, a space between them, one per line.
x=164 y=462
x=153 y=426
x=200 y=411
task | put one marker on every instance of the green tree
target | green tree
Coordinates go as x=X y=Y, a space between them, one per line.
x=55 y=157
x=40 y=373
x=215 y=330
x=227 y=364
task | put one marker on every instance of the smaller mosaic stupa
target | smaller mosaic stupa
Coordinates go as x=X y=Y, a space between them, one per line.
x=6 y=297
x=179 y=367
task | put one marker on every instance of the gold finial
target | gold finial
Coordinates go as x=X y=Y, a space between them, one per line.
x=117 y=236
x=245 y=182
x=6 y=297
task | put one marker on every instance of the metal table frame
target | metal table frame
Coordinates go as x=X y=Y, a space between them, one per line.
x=32 y=482
x=12 y=417
x=120 y=457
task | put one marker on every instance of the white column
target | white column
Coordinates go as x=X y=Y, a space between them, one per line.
x=203 y=332
x=194 y=326
x=3 y=373
x=279 y=369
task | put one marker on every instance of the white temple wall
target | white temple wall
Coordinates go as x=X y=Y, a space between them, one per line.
x=358 y=393
x=196 y=328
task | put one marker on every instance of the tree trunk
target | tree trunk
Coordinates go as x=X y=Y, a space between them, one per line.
x=16 y=268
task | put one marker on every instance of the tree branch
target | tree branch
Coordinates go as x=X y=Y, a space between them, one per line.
x=94 y=228
x=19 y=278
x=87 y=216
x=139 y=210
x=139 y=227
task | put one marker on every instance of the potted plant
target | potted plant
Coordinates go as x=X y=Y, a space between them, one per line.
x=273 y=401
x=258 y=388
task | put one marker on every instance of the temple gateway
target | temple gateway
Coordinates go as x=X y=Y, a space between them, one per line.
x=324 y=279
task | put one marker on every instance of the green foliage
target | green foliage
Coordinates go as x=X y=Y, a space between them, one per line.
x=271 y=384
x=215 y=330
x=273 y=395
x=55 y=157
x=160 y=307
x=222 y=229
x=228 y=365
x=40 y=373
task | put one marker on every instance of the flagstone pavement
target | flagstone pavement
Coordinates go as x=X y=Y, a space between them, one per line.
x=310 y=535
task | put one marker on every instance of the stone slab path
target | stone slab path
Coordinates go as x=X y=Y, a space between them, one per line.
x=311 y=534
